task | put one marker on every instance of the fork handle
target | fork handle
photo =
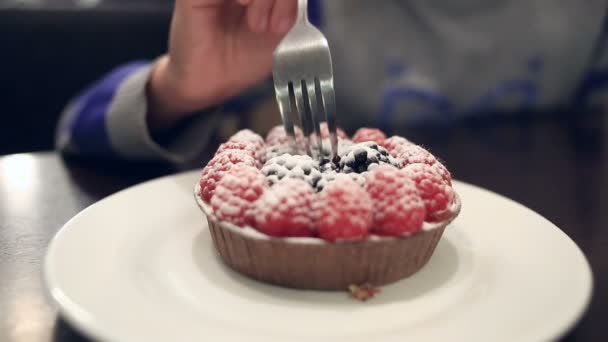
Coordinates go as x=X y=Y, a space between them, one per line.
x=303 y=10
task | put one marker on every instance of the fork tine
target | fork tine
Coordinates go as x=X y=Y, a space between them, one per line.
x=315 y=115
x=302 y=59
x=329 y=107
x=301 y=106
x=282 y=95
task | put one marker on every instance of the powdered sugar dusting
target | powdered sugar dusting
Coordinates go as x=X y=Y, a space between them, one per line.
x=443 y=172
x=277 y=136
x=285 y=209
x=218 y=166
x=396 y=144
x=326 y=152
x=364 y=156
x=414 y=154
x=236 y=194
x=331 y=176
x=398 y=207
x=436 y=193
x=249 y=137
x=277 y=150
x=355 y=164
x=343 y=211
x=247 y=147
x=292 y=166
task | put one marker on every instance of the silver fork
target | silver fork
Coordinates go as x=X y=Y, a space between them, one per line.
x=303 y=74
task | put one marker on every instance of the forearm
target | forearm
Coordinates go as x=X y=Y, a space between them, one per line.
x=117 y=118
x=110 y=119
x=170 y=102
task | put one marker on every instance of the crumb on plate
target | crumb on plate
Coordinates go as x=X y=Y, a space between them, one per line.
x=362 y=292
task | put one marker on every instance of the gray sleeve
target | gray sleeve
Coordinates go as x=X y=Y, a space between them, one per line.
x=128 y=131
x=63 y=141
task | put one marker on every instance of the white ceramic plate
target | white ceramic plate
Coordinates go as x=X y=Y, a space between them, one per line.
x=140 y=266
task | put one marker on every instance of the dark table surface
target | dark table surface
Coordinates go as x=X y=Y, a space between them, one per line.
x=557 y=166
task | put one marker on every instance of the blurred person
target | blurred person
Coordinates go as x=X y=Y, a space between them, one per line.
x=396 y=63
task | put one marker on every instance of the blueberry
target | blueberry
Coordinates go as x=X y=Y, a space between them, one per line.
x=359 y=157
x=316 y=179
x=292 y=166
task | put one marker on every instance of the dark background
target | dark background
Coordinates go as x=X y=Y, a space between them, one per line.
x=51 y=49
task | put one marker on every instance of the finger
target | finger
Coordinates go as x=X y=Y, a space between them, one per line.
x=283 y=15
x=258 y=14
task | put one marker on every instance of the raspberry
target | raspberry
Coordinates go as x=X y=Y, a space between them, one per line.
x=329 y=177
x=250 y=148
x=398 y=207
x=414 y=154
x=395 y=144
x=369 y=134
x=343 y=211
x=236 y=194
x=236 y=145
x=324 y=130
x=365 y=156
x=277 y=136
x=292 y=166
x=247 y=136
x=286 y=209
x=218 y=165
x=436 y=193
x=408 y=153
x=443 y=172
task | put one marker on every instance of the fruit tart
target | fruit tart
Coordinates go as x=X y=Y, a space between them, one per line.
x=373 y=215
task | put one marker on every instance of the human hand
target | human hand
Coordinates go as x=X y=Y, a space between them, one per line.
x=217 y=49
